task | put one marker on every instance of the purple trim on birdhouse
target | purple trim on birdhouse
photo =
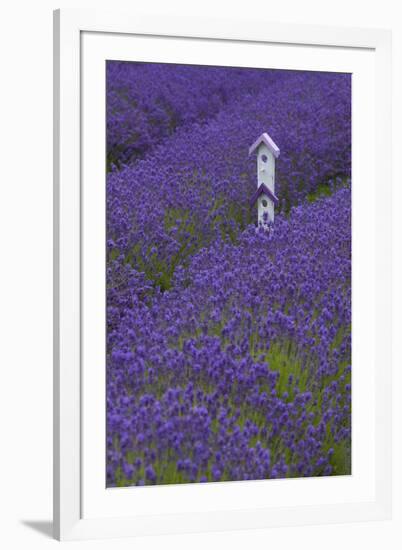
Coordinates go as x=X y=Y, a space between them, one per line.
x=269 y=142
x=264 y=190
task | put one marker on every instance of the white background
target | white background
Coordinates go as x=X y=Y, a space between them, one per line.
x=26 y=272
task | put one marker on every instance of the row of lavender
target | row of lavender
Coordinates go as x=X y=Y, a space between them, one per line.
x=163 y=208
x=242 y=370
x=147 y=102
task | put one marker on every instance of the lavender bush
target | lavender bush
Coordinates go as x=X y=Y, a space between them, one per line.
x=147 y=102
x=228 y=347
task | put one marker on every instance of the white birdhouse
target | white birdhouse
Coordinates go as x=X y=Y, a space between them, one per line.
x=267 y=152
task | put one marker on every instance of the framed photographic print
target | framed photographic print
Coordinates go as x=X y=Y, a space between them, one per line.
x=222 y=275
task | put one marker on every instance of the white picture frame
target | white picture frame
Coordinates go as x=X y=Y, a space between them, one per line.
x=82 y=507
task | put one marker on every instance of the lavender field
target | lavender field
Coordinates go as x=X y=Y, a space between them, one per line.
x=228 y=346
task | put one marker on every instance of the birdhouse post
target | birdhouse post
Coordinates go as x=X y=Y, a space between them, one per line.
x=267 y=152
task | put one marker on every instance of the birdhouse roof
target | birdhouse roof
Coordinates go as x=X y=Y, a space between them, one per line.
x=264 y=190
x=268 y=141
